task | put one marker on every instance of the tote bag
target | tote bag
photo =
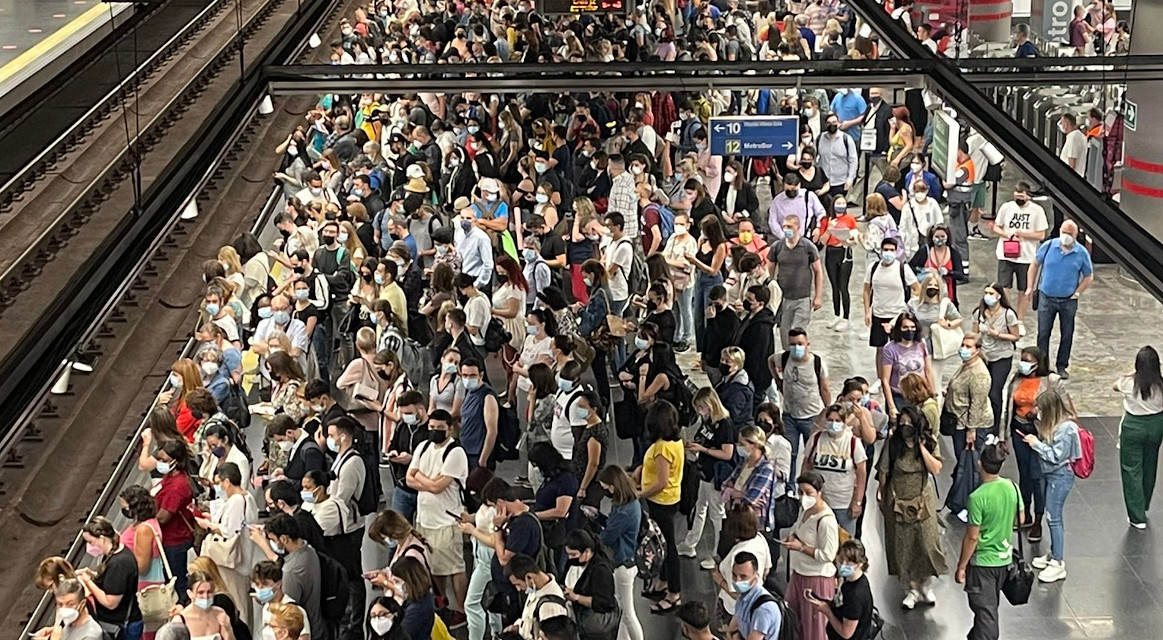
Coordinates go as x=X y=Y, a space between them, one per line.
x=157 y=600
x=946 y=342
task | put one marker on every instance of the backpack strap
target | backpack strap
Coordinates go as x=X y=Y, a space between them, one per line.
x=766 y=598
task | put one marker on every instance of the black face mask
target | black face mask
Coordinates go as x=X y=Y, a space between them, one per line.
x=932 y=293
x=367 y=277
x=833 y=128
x=300 y=270
x=651 y=306
x=807 y=164
x=1021 y=202
x=330 y=240
x=127 y=513
x=383 y=375
x=437 y=436
x=724 y=369
x=502 y=278
x=792 y=193
x=909 y=334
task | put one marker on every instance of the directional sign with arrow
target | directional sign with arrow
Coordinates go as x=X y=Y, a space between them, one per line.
x=754 y=135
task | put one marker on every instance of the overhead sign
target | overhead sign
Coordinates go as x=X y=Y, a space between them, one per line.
x=580 y=7
x=946 y=135
x=1130 y=115
x=754 y=135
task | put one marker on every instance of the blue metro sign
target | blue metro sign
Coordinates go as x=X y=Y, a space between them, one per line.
x=754 y=135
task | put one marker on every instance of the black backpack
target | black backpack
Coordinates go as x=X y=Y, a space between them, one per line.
x=507 y=446
x=333 y=588
x=235 y=406
x=789 y=624
x=904 y=283
x=368 y=500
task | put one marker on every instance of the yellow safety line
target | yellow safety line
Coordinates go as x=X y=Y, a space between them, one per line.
x=48 y=44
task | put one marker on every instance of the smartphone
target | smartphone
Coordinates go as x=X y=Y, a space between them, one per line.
x=811 y=596
x=454 y=515
x=368 y=575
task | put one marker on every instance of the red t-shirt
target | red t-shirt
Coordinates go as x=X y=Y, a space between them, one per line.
x=651 y=224
x=187 y=423
x=175 y=496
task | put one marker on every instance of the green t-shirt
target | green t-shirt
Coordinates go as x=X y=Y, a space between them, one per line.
x=992 y=508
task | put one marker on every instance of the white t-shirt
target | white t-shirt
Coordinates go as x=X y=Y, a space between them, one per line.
x=1133 y=402
x=757 y=546
x=1074 y=147
x=620 y=253
x=532 y=353
x=888 y=297
x=836 y=459
x=431 y=460
x=1012 y=218
x=561 y=435
x=478 y=312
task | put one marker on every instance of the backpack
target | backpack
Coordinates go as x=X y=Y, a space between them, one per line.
x=556 y=599
x=333 y=589
x=507 y=445
x=651 y=551
x=1084 y=466
x=607 y=123
x=368 y=500
x=665 y=222
x=447 y=450
x=496 y=336
x=236 y=407
x=416 y=361
x=638 y=279
x=789 y=623
x=817 y=364
x=543 y=557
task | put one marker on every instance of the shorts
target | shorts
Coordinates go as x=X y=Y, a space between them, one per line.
x=877 y=336
x=1006 y=270
x=979 y=195
x=446 y=557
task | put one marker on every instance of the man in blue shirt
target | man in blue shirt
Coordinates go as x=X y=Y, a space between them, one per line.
x=1066 y=273
x=757 y=615
x=1023 y=48
x=849 y=106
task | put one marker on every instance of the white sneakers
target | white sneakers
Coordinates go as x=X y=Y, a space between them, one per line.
x=708 y=563
x=911 y=599
x=1055 y=570
x=927 y=595
x=686 y=550
x=840 y=326
x=1041 y=562
x=1137 y=525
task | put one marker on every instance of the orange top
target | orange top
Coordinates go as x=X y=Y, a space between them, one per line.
x=1024 y=397
x=842 y=221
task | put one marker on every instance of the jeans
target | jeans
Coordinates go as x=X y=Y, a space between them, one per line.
x=684 y=314
x=473 y=608
x=631 y=627
x=708 y=500
x=846 y=522
x=793 y=428
x=404 y=503
x=983 y=587
x=177 y=556
x=321 y=349
x=838 y=264
x=616 y=308
x=665 y=515
x=702 y=299
x=999 y=371
x=1139 y=440
x=1058 y=484
x=1065 y=309
x=133 y=630
x=1029 y=472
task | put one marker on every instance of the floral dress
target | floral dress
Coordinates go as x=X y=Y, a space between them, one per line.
x=912 y=544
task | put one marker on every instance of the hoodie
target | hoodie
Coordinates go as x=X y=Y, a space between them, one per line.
x=758 y=332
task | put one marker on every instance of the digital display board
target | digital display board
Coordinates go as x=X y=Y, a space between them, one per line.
x=580 y=7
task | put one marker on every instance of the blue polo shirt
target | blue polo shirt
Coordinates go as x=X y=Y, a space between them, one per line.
x=848 y=107
x=1062 y=271
x=766 y=618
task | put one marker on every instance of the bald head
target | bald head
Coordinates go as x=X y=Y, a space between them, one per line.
x=1070 y=227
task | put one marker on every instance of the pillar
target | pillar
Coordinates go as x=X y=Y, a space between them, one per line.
x=1141 y=194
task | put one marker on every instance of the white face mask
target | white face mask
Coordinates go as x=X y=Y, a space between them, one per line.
x=807 y=502
x=209 y=368
x=728 y=178
x=382 y=625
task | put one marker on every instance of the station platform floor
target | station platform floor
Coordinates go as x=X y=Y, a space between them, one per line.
x=27 y=23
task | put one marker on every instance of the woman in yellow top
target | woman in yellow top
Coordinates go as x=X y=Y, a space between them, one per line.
x=902 y=138
x=661 y=478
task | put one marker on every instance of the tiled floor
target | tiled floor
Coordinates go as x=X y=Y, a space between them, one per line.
x=23 y=23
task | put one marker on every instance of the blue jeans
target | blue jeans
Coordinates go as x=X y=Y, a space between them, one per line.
x=133 y=630
x=1029 y=474
x=177 y=556
x=1057 y=484
x=793 y=428
x=684 y=315
x=404 y=503
x=1064 y=309
x=846 y=523
x=702 y=300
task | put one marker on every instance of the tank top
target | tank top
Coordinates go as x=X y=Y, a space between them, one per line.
x=156 y=572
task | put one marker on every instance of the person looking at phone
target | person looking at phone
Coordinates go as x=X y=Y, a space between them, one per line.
x=813 y=543
x=757 y=615
x=850 y=613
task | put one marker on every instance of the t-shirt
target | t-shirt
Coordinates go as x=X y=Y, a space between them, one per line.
x=561 y=433
x=904 y=360
x=432 y=462
x=801 y=387
x=666 y=324
x=795 y=267
x=522 y=535
x=836 y=459
x=992 y=508
x=1012 y=218
x=119 y=578
x=1074 y=148
x=1133 y=402
x=674 y=452
x=888 y=296
x=853 y=601
x=994 y=348
x=175 y=495
x=713 y=435
x=477 y=313
x=620 y=253
x=563 y=484
x=87 y=630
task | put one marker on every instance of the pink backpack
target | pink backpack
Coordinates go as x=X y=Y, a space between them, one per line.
x=1084 y=466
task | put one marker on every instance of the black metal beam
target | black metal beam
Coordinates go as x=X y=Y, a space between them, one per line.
x=1135 y=249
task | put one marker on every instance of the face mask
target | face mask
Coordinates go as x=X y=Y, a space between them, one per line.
x=375 y=317
x=209 y=368
x=410 y=418
x=68 y=616
x=588 y=281
x=745 y=237
x=789 y=233
x=302 y=294
x=920 y=196
x=94 y=550
x=218 y=452
x=539 y=167
x=640 y=343
x=839 y=208
x=379 y=278
x=277 y=548
x=268 y=634
x=382 y=625
x=466 y=225
x=846 y=571
x=798 y=351
x=835 y=427
x=939 y=241
x=472 y=384
x=308 y=497
x=990 y=300
x=164 y=467
x=932 y=292
x=742 y=586
x=529 y=254
x=264 y=312
x=437 y=436
x=285 y=446
x=965 y=353
x=448 y=367
x=680 y=229
x=1067 y=240
x=581 y=413
x=332 y=445
x=564 y=385
x=531 y=330
x=909 y=334
x=342 y=238
x=541 y=198
x=281 y=317
x=492 y=197
x=728 y=178
x=807 y=502
x=213 y=309
x=175 y=380
x=833 y=128
x=916 y=168
x=264 y=594
x=887 y=257
x=502 y=278
x=1026 y=368
x=791 y=193
x=204 y=603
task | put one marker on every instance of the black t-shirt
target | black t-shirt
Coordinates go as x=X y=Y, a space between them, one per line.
x=405 y=439
x=552 y=245
x=522 y=535
x=119 y=578
x=310 y=312
x=889 y=192
x=666 y=324
x=713 y=435
x=853 y=601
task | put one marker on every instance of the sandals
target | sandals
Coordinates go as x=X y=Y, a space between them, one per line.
x=665 y=607
x=654 y=594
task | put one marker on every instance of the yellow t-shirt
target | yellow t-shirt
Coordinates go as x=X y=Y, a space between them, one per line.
x=672 y=451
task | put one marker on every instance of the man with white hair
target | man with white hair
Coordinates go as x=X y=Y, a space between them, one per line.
x=1066 y=272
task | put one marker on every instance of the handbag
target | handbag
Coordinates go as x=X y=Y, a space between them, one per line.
x=594 y=626
x=496 y=335
x=912 y=510
x=1019 y=580
x=157 y=600
x=1011 y=248
x=948 y=422
x=946 y=341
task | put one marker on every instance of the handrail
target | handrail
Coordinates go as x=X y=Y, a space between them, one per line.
x=14 y=183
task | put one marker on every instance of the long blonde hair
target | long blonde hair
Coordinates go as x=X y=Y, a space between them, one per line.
x=1052 y=412
x=207 y=571
x=709 y=398
x=756 y=436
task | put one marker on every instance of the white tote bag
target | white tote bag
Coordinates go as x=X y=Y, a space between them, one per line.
x=946 y=342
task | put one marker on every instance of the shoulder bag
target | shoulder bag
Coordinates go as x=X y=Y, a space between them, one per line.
x=1019 y=579
x=157 y=600
x=946 y=341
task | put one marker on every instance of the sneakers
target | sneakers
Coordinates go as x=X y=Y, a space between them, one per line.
x=523 y=481
x=1137 y=525
x=1063 y=374
x=840 y=326
x=1036 y=531
x=911 y=599
x=682 y=347
x=707 y=564
x=1041 y=562
x=1054 y=571
x=455 y=619
x=686 y=550
x=927 y=595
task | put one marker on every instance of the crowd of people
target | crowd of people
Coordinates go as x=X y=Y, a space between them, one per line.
x=473 y=299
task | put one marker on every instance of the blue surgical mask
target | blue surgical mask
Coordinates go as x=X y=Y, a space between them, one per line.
x=1026 y=368
x=742 y=586
x=581 y=413
x=990 y=300
x=448 y=367
x=219 y=492
x=281 y=317
x=374 y=317
x=845 y=571
x=164 y=467
x=798 y=351
x=332 y=445
x=472 y=384
x=472 y=128
x=466 y=225
x=789 y=233
x=542 y=198
x=530 y=255
x=307 y=497
x=589 y=281
x=213 y=308
x=276 y=547
x=563 y=384
x=302 y=294
x=641 y=343
x=264 y=312
x=964 y=353
x=410 y=418
x=835 y=427
x=888 y=257
x=531 y=329
x=204 y=603
x=379 y=278
x=264 y=594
